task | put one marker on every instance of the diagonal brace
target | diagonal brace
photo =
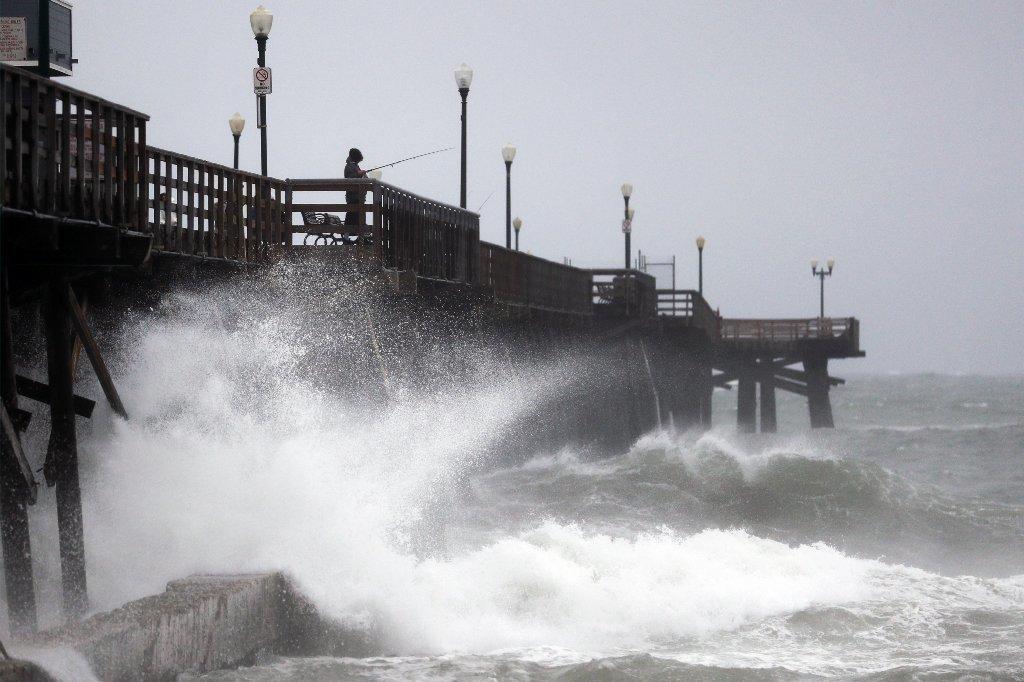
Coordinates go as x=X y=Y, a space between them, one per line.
x=93 y=351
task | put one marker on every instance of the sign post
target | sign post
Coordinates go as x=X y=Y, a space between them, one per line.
x=262 y=83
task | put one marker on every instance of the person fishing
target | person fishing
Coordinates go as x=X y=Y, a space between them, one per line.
x=353 y=171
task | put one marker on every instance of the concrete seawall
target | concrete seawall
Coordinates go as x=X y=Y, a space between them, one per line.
x=204 y=623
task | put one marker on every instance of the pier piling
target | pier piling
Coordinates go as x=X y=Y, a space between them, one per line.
x=61 y=466
x=746 y=403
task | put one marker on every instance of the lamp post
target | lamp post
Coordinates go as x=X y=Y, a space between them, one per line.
x=517 y=224
x=700 y=265
x=821 y=274
x=463 y=78
x=508 y=152
x=261 y=20
x=627 y=227
x=236 y=123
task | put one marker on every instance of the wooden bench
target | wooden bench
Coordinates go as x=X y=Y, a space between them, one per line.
x=327 y=229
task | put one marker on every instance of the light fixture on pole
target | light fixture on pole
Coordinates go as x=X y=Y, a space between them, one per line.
x=508 y=152
x=627 y=227
x=517 y=224
x=463 y=78
x=700 y=265
x=821 y=274
x=236 y=123
x=261 y=20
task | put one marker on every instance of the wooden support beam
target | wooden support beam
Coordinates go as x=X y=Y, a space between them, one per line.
x=40 y=392
x=93 y=351
x=17 y=486
x=746 y=403
x=76 y=351
x=769 y=418
x=791 y=386
x=61 y=467
x=24 y=482
x=818 y=403
x=799 y=375
x=722 y=380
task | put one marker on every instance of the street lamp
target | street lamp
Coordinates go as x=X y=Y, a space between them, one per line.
x=261 y=20
x=236 y=123
x=463 y=78
x=517 y=224
x=821 y=274
x=700 y=265
x=627 y=227
x=508 y=152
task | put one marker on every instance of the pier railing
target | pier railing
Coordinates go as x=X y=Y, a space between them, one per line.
x=624 y=292
x=750 y=330
x=518 y=278
x=406 y=231
x=70 y=154
x=199 y=208
x=691 y=306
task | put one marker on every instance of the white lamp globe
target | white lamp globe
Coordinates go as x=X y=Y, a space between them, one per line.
x=261 y=20
x=236 y=123
x=463 y=76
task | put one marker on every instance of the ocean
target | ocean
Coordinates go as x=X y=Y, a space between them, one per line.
x=889 y=548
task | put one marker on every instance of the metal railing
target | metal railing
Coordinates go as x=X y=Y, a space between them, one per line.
x=70 y=154
x=521 y=279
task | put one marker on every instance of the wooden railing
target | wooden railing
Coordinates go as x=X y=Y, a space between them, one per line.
x=625 y=292
x=70 y=154
x=790 y=330
x=406 y=231
x=518 y=278
x=199 y=208
x=689 y=305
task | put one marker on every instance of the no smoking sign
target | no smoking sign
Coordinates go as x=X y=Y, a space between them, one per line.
x=261 y=80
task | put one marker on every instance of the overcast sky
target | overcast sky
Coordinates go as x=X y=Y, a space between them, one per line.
x=888 y=135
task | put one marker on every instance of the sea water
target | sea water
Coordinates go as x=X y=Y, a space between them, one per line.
x=890 y=546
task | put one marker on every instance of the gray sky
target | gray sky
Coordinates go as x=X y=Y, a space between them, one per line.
x=890 y=135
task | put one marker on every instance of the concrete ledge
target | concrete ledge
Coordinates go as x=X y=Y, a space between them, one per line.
x=205 y=623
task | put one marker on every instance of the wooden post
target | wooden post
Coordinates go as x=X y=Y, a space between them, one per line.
x=818 y=402
x=707 y=389
x=61 y=466
x=746 y=402
x=17 y=547
x=769 y=420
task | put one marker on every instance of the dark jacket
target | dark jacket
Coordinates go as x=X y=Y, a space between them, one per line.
x=352 y=171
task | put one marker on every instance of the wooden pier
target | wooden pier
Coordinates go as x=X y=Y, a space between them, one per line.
x=84 y=196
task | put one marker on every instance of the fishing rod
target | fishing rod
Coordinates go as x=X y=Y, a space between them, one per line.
x=395 y=163
x=485 y=201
